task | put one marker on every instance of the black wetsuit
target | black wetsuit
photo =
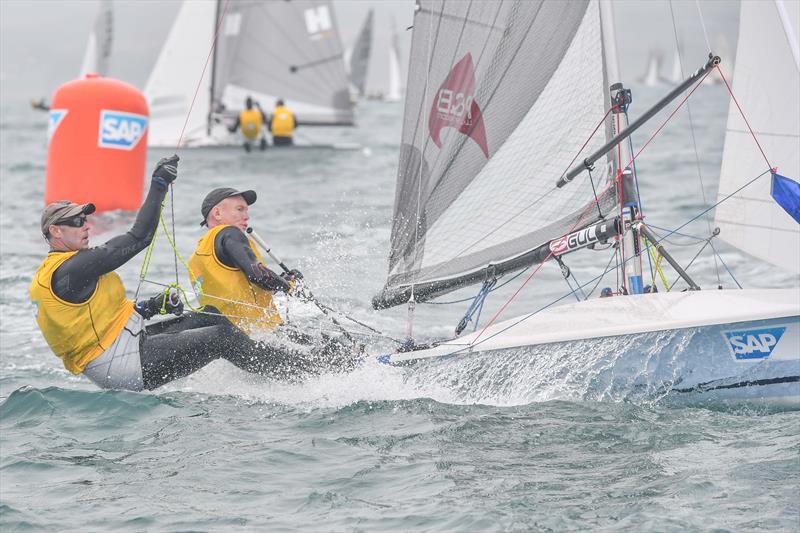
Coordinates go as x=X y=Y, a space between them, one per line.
x=75 y=280
x=173 y=348
x=232 y=248
x=170 y=350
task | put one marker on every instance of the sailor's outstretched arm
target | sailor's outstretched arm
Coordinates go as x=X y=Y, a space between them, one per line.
x=84 y=268
x=233 y=249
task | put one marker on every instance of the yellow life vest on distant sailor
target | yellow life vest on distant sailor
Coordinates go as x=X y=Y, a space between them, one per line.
x=282 y=124
x=251 y=122
x=79 y=333
x=246 y=305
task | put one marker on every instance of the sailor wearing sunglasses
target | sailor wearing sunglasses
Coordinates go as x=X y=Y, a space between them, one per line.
x=88 y=322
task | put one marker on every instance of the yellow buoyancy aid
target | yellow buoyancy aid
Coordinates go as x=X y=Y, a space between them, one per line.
x=251 y=122
x=247 y=306
x=282 y=124
x=79 y=333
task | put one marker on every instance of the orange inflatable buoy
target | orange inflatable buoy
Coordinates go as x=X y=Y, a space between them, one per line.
x=97 y=144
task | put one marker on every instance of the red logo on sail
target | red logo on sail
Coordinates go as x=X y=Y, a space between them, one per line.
x=454 y=106
x=559 y=246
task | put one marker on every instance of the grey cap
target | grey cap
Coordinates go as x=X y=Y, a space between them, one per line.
x=62 y=210
x=217 y=195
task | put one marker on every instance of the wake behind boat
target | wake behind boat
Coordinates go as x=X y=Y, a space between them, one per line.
x=488 y=186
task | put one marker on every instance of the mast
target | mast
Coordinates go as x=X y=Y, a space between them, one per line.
x=213 y=70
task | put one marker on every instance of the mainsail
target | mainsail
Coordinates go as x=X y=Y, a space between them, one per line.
x=267 y=50
x=501 y=98
x=767 y=86
x=98 y=49
x=359 y=57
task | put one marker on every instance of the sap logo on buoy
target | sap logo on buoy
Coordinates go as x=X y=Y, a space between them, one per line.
x=753 y=344
x=121 y=131
x=56 y=116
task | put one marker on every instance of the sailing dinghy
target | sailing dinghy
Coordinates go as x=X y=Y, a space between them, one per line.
x=503 y=99
x=97 y=56
x=98 y=48
x=267 y=50
x=357 y=58
x=395 y=93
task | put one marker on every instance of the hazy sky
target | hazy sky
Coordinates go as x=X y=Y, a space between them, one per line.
x=42 y=41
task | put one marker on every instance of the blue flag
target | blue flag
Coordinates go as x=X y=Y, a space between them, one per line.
x=786 y=192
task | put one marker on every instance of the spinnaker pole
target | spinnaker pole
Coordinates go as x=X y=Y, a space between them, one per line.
x=712 y=62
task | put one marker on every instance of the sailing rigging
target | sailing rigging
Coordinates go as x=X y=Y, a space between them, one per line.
x=501 y=108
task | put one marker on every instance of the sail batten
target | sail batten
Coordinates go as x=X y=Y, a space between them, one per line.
x=514 y=90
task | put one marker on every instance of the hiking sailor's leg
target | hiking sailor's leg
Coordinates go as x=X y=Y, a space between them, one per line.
x=188 y=345
x=190 y=320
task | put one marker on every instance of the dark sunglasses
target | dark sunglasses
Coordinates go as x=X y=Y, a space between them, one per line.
x=76 y=222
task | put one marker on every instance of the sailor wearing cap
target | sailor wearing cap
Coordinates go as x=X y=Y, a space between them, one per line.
x=89 y=323
x=228 y=268
x=81 y=305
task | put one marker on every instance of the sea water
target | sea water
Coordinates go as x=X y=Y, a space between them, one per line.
x=381 y=448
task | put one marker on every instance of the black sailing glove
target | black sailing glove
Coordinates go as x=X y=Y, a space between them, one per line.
x=267 y=279
x=166 y=170
x=149 y=308
x=292 y=275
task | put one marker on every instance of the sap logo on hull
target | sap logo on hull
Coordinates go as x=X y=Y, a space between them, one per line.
x=753 y=344
x=121 y=131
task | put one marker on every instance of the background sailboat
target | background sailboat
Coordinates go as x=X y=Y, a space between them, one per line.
x=652 y=76
x=98 y=49
x=266 y=50
x=97 y=56
x=357 y=60
x=483 y=190
x=395 y=92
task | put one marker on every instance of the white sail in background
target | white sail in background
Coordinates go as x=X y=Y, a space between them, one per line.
x=357 y=58
x=767 y=86
x=676 y=76
x=513 y=91
x=652 y=76
x=395 y=93
x=98 y=49
x=170 y=88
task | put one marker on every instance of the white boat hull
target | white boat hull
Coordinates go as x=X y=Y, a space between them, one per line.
x=725 y=344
